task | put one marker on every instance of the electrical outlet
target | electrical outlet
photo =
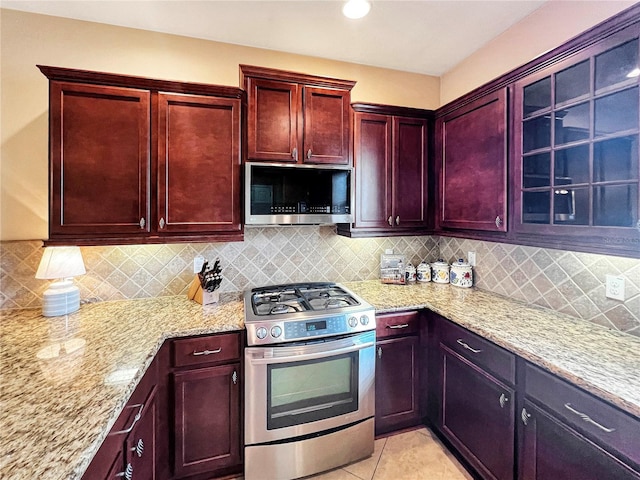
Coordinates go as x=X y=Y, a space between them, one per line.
x=472 y=258
x=615 y=287
x=198 y=262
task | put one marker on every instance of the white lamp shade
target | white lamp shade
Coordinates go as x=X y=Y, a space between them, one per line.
x=61 y=262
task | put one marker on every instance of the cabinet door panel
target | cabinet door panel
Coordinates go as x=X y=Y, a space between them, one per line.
x=550 y=450
x=410 y=172
x=373 y=170
x=326 y=126
x=474 y=165
x=140 y=451
x=477 y=416
x=207 y=419
x=397 y=384
x=198 y=164
x=100 y=160
x=272 y=125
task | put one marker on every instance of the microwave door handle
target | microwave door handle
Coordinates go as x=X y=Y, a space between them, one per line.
x=257 y=360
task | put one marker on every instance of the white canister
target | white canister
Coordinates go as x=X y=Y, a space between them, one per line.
x=461 y=274
x=440 y=271
x=410 y=273
x=423 y=272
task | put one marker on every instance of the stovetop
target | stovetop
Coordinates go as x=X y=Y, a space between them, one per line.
x=304 y=297
x=281 y=313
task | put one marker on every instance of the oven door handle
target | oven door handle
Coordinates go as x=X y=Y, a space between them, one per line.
x=258 y=357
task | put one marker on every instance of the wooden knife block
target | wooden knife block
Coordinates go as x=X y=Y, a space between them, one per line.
x=197 y=294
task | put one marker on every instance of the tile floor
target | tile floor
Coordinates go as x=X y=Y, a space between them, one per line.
x=414 y=455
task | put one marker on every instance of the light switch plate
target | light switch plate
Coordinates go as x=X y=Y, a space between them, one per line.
x=472 y=258
x=198 y=262
x=615 y=287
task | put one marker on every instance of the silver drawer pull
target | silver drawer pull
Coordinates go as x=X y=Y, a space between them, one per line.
x=139 y=448
x=503 y=400
x=404 y=325
x=135 y=420
x=525 y=416
x=206 y=352
x=128 y=472
x=390 y=221
x=467 y=346
x=588 y=419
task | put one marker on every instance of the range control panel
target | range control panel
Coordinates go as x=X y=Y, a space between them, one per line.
x=272 y=331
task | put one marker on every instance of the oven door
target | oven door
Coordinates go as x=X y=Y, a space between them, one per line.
x=302 y=389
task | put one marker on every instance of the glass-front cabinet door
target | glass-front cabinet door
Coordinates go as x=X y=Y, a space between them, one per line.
x=575 y=148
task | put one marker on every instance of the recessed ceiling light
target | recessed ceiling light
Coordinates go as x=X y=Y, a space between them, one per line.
x=356 y=8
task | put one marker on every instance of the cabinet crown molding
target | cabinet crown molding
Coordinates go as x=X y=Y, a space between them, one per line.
x=130 y=81
x=287 y=76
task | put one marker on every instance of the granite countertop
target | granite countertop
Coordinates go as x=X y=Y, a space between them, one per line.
x=602 y=361
x=57 y=406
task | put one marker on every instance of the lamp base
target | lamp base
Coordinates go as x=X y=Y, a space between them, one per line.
x=61 y=298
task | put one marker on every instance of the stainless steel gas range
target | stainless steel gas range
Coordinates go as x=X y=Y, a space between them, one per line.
x=310 y=380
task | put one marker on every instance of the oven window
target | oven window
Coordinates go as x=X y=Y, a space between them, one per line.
x=303 y=392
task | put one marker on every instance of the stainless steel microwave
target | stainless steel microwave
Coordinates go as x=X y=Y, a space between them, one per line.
x=281 y=194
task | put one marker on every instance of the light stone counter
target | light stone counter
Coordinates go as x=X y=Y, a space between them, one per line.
x=56 y=406
x=55 y=411
x=601 y=361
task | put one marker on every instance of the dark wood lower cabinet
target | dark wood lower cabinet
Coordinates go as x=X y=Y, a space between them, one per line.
x=397 y=384
x=551 y=450
x=477 y=416
x=207 y=419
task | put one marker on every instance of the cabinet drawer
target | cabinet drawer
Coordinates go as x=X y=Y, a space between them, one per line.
x=394 y=324
x=209 y=349
x=605 y=424
x=483 y=353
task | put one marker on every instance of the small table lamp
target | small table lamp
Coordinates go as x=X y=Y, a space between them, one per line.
x=61 y=263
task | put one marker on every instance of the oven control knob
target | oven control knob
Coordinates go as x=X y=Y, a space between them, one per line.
x=364 y=320
x=276 y=331
x=261 y=333
x=353 y=322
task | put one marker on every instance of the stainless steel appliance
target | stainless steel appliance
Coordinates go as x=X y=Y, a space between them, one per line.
x=309 y=380
x=280 y=194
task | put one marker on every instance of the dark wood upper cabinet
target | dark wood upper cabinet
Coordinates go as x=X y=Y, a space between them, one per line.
x=562 y=131
x=472 y=161
x=575 y=157
x=100 y=160
x=391 y=171
x=297 y=118
x=137 y=160
x=198 y=164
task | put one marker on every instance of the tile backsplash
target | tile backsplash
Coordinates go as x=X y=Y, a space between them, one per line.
x=569 y=282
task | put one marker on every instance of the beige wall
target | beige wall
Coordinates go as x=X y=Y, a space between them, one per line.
x=546 y=28
x=29 y=39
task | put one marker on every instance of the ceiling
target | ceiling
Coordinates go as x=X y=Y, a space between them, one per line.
x=421 y=36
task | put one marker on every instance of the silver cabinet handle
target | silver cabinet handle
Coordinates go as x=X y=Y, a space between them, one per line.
x=139 y=448
x=379 y=352
x=128 y=472
x=588 y=419
x=467 y=346
x=294 y=154
x=403 y=325
x=234 y=377
x=498 y=221
x=206 y=352
x=503 y=400
x=142 y=222
x=309 y=154
x=162 y=224
x=390 y=221
x=135 y=419
x=525 y=416
x=398 y=220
